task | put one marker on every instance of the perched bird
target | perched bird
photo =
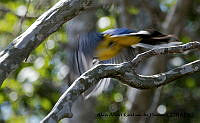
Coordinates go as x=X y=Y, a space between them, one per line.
x=113 y=46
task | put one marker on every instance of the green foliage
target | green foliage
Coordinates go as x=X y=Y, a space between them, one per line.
x=9 y=18
x=133 y=10
x=185 y=39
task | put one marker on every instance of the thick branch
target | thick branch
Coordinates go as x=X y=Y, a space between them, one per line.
x=45 y=25
x=126 y=73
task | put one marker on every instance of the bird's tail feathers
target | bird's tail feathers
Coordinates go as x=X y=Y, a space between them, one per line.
x=149 y=46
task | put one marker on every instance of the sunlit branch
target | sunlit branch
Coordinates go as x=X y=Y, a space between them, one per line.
x=45 y=25
x=125 y=72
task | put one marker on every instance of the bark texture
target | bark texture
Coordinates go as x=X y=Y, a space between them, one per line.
x=45 y=25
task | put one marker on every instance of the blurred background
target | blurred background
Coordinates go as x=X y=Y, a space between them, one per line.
x=32 y=90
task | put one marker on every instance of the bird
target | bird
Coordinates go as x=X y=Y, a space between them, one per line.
x=113 y=46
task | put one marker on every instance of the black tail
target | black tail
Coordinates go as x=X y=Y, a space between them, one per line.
x=156 y=38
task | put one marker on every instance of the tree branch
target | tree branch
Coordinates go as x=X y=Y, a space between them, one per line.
x=125 y=72
x=46 y=24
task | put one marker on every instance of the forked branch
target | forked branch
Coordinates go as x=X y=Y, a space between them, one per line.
x=125 y=72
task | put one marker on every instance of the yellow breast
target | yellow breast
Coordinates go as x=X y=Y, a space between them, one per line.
x=111 y=46
x=105 y=52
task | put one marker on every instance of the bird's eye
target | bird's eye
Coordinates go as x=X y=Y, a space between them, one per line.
x=110 y=44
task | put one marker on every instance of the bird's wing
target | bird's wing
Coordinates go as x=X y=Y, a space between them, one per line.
x=83 y=52
x=127 y=54
x=82 y=59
